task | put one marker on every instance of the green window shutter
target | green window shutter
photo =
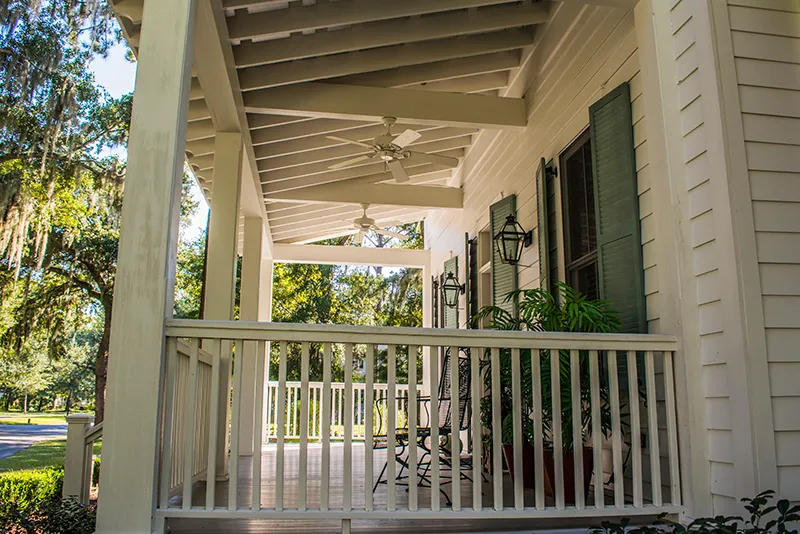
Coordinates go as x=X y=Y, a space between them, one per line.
x=619 y=249
x=435 y=303
x=504 y=276
x=472 y=281
x=542 y=233
x=451 y=314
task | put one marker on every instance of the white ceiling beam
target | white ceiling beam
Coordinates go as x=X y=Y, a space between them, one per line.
x=214 y=68
x=320 y=167
x=311 y=136
x=333 y=255
x=279 y=22
x=359 y=175
x=343 y=151
x=389 y=57
x=436 y=71
x=467 y=84
x=373 y=103
x=387 y=33
x=268 y=121
x=385 y=194
x=386 y=216
x=241 y=4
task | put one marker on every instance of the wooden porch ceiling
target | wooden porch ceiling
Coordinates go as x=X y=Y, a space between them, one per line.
x=306 y=69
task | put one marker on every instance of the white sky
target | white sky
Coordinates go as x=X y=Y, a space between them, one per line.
x=118 y=76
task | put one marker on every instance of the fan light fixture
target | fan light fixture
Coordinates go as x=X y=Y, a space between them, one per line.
x=451 y=289
x=510 y=241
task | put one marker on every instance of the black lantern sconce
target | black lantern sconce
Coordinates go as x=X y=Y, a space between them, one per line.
x=451 y=289
x=510 y=241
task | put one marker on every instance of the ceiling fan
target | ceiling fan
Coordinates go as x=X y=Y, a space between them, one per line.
x=366 y=224
x=390 y=148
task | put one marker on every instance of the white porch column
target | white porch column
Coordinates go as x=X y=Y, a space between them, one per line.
x=254 y=305
x=143 y=294
x=221 y=264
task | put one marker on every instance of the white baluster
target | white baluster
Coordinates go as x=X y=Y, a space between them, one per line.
x=325 y=428
x=672 y=430
x=516 y=410
x=348 y=426
x=616 y=430
x=369 y=429
x=538 y=432
x=391 y=425
x=497 y=432
x=233 y=486
x=281 y=427
x=597 y=432
x=577 y=427
x=558 y=447
x=652 y=427
x=258 y=432
x=477 y=462
x=434 y=424
x=455 y=439
x=412 y=428
x=169 y=419
x=636 y=428
x=211 y=473
x=189 y=444
x=303 y=475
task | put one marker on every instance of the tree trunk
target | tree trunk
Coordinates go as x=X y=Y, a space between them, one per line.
x=101 y=367
x=25 y=405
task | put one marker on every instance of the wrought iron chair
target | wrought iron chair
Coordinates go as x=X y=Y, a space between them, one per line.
x=446 y=428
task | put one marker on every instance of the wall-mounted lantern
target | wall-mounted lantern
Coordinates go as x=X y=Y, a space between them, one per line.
x=510 y=241
x=451 y=289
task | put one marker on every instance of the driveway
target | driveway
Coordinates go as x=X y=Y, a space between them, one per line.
x=14 y=438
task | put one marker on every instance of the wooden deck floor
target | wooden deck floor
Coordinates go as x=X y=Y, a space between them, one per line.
x=359 y=490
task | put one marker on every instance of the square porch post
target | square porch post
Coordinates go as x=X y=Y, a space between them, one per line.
x=255 y=305
x=221 y=266
x=143 y=295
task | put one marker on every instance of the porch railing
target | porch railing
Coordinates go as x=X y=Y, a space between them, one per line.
x=293 y=393
x=623 y=384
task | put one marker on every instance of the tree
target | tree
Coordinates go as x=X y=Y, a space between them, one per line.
x=60 y=184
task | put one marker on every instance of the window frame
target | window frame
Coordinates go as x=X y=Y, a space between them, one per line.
x=573 y=266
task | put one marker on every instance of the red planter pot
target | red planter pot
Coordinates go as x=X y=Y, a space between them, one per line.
x=529 y=470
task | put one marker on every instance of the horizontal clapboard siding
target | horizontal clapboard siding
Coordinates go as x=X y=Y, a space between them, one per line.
x=766 y=44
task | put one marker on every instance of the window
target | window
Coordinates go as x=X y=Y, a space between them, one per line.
x=579 y=217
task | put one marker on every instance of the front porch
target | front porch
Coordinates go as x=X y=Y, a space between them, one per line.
x=327 y=469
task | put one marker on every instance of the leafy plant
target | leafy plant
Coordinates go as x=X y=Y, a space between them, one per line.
x=777 y=518
x=542 y=311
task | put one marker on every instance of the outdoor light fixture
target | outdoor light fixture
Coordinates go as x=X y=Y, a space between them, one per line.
x=451 y=289
x=510 y=241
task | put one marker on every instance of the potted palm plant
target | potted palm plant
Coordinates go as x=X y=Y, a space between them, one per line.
x=542 y=311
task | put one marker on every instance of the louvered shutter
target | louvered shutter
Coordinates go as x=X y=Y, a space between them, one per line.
x=504 y=276
x=435 y=302
x=542 y=233
x=619 y=249
x=450 y=314
x=472 y=281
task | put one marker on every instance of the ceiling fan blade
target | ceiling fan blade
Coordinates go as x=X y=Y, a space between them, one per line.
x=436 y=159
x=350 y=141
x=389 y=233
x=406 y=138
x=349 y=162
x=398 y=171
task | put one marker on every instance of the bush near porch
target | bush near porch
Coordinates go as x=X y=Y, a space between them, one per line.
x=31 y=503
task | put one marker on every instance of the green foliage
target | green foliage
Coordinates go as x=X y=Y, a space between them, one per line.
x=542 y=311
x=764 y=519
x=23 y=492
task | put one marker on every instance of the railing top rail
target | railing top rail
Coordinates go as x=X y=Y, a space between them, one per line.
x=93 y=433
x=382 y=335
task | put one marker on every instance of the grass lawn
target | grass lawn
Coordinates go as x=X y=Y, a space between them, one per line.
x=36 y=418
x=42 y=454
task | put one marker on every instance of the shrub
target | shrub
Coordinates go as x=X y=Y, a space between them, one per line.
x=28 y=491
x=31 y=503
x=764 y=519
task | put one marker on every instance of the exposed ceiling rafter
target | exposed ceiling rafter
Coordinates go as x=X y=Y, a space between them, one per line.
x=420 y=196
x=373 y=103
x=390 y=32
x=389 y=57
x=298 y=18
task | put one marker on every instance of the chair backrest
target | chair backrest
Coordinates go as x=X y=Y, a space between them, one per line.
x=464 y=378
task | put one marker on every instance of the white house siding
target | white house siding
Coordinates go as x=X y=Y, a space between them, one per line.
x=766 y=43
x=584 y=52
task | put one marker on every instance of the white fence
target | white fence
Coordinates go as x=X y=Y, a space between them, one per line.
x=521 y=392
x=293 y=393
